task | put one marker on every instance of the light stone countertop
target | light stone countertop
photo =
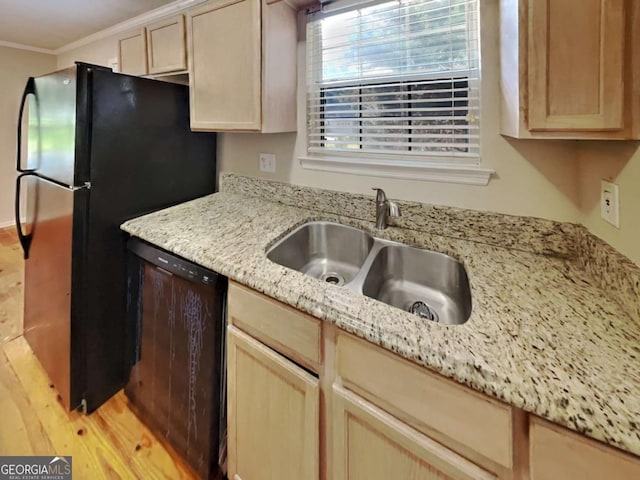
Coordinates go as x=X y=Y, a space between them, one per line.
x=542 y=336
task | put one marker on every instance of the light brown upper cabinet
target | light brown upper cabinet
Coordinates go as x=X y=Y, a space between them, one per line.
x=242 y=66
x=132 y=53
x=570 y=69
x=166 y=45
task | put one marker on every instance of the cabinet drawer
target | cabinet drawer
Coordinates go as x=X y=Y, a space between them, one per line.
x=427 y=401
x=558 y=453
x=283 y=328
x=369 y=444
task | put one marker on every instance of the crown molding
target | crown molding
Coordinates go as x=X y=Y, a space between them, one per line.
x=135 y=22
x=20 y=46
x=143 y=19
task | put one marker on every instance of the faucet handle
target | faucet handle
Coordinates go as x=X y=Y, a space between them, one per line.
x=380 y=195
x=394 y=209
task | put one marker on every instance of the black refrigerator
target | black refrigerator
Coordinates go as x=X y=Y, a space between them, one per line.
x=102 y=148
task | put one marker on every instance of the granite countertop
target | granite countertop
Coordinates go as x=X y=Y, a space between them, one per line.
x=542 y=336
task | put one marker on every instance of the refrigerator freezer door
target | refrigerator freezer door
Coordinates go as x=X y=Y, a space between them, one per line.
x=53 y=215
x=52 y=126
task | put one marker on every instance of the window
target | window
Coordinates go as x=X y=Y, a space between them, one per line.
x=395 y=84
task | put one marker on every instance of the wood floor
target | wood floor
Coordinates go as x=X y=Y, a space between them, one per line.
x=11 y=275
x=111 y=443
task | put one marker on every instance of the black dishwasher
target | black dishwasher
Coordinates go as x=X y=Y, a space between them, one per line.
x=176 y=312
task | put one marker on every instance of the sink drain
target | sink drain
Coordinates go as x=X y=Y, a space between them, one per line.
x=424 y=311
x=333 y=278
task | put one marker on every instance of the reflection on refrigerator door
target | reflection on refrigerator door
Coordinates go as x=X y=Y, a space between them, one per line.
x=52 y=127
x=26 y=209
x=48 y=278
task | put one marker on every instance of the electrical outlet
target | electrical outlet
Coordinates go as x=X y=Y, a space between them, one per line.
x=267 y=162
x=610 y=203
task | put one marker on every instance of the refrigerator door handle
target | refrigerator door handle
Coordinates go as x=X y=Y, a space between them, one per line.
x=29 y=89
x=70 y=188
x=25 y=239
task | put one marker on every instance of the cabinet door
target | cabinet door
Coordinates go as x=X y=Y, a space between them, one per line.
x=273 y=414
x=132 y=53
x=557 y=453
x=224 y=41
x=576 y=72
x=166 y=49
x=369 y=444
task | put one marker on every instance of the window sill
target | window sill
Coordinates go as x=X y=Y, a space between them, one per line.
x=405 y=169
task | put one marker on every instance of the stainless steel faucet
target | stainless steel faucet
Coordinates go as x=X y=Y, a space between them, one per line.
x=385 y=208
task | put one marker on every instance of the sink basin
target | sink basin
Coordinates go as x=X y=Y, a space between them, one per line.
x=431 y=285
x=328 y=251
x=428 y=284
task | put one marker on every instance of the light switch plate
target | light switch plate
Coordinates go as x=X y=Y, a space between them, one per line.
x=610 y=203
x=267 y=162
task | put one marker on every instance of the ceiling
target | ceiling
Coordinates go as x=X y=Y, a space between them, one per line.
x=51 y=24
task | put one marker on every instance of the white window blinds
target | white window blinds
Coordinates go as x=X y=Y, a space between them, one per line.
x=397 y=78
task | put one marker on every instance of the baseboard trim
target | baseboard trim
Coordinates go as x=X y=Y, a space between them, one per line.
x=7 y=224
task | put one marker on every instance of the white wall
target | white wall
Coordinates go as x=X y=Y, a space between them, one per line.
x=99 y=53
x=536 y=178
x=16 y=66
x=619 y=162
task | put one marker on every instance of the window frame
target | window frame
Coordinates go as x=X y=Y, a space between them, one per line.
x=403 y=164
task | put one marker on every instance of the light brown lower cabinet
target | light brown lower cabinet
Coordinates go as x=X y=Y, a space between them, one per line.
x=369 y=444
x=557 y=453
x=273 y=412
x=371 y=415
x=440 y=408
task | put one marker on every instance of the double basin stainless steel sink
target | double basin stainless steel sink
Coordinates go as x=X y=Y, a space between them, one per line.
x=431 y=285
